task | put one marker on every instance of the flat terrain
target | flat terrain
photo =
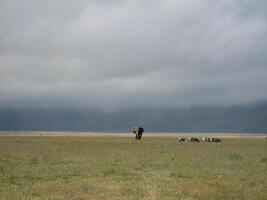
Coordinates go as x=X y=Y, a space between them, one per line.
x=107 y=167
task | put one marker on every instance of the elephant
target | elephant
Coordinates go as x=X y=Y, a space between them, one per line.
x=138 y=131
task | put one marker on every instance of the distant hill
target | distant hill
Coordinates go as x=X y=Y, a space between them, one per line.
x=249 y=118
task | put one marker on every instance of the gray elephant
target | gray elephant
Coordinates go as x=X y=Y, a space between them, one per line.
x=138 y=131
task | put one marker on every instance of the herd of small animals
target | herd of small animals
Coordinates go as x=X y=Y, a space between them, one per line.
x=204 y=139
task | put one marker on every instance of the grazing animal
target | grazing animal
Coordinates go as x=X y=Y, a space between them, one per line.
x=193 y=139
x=205 y=139
x=138 y=131
x=181 y=139
x=209 y=140
x=213 y=139
x=217 y=140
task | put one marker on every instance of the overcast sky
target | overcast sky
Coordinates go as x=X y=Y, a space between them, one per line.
x=114 y=54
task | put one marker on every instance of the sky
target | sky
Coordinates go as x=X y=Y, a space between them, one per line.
x=116 y=54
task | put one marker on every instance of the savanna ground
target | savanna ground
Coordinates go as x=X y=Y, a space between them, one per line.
x=69 y=167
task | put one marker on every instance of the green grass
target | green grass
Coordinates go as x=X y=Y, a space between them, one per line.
x=79 y=168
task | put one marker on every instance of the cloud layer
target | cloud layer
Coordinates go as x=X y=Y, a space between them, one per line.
x=116 y=54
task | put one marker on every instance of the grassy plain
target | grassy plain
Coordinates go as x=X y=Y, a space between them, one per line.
x=68 y=167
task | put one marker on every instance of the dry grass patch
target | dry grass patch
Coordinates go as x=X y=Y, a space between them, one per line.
x=121 y=168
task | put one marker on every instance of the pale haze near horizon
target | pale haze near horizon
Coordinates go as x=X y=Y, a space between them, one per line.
x=118 y=54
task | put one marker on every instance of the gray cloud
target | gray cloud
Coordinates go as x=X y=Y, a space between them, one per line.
x=114 y=54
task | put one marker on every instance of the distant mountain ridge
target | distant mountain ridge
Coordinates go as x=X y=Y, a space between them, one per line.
x=244 y=119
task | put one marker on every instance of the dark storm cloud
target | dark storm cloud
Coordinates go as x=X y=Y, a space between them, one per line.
x=114 y=54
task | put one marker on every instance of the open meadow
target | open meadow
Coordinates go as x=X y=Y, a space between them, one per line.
x=110 y=167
